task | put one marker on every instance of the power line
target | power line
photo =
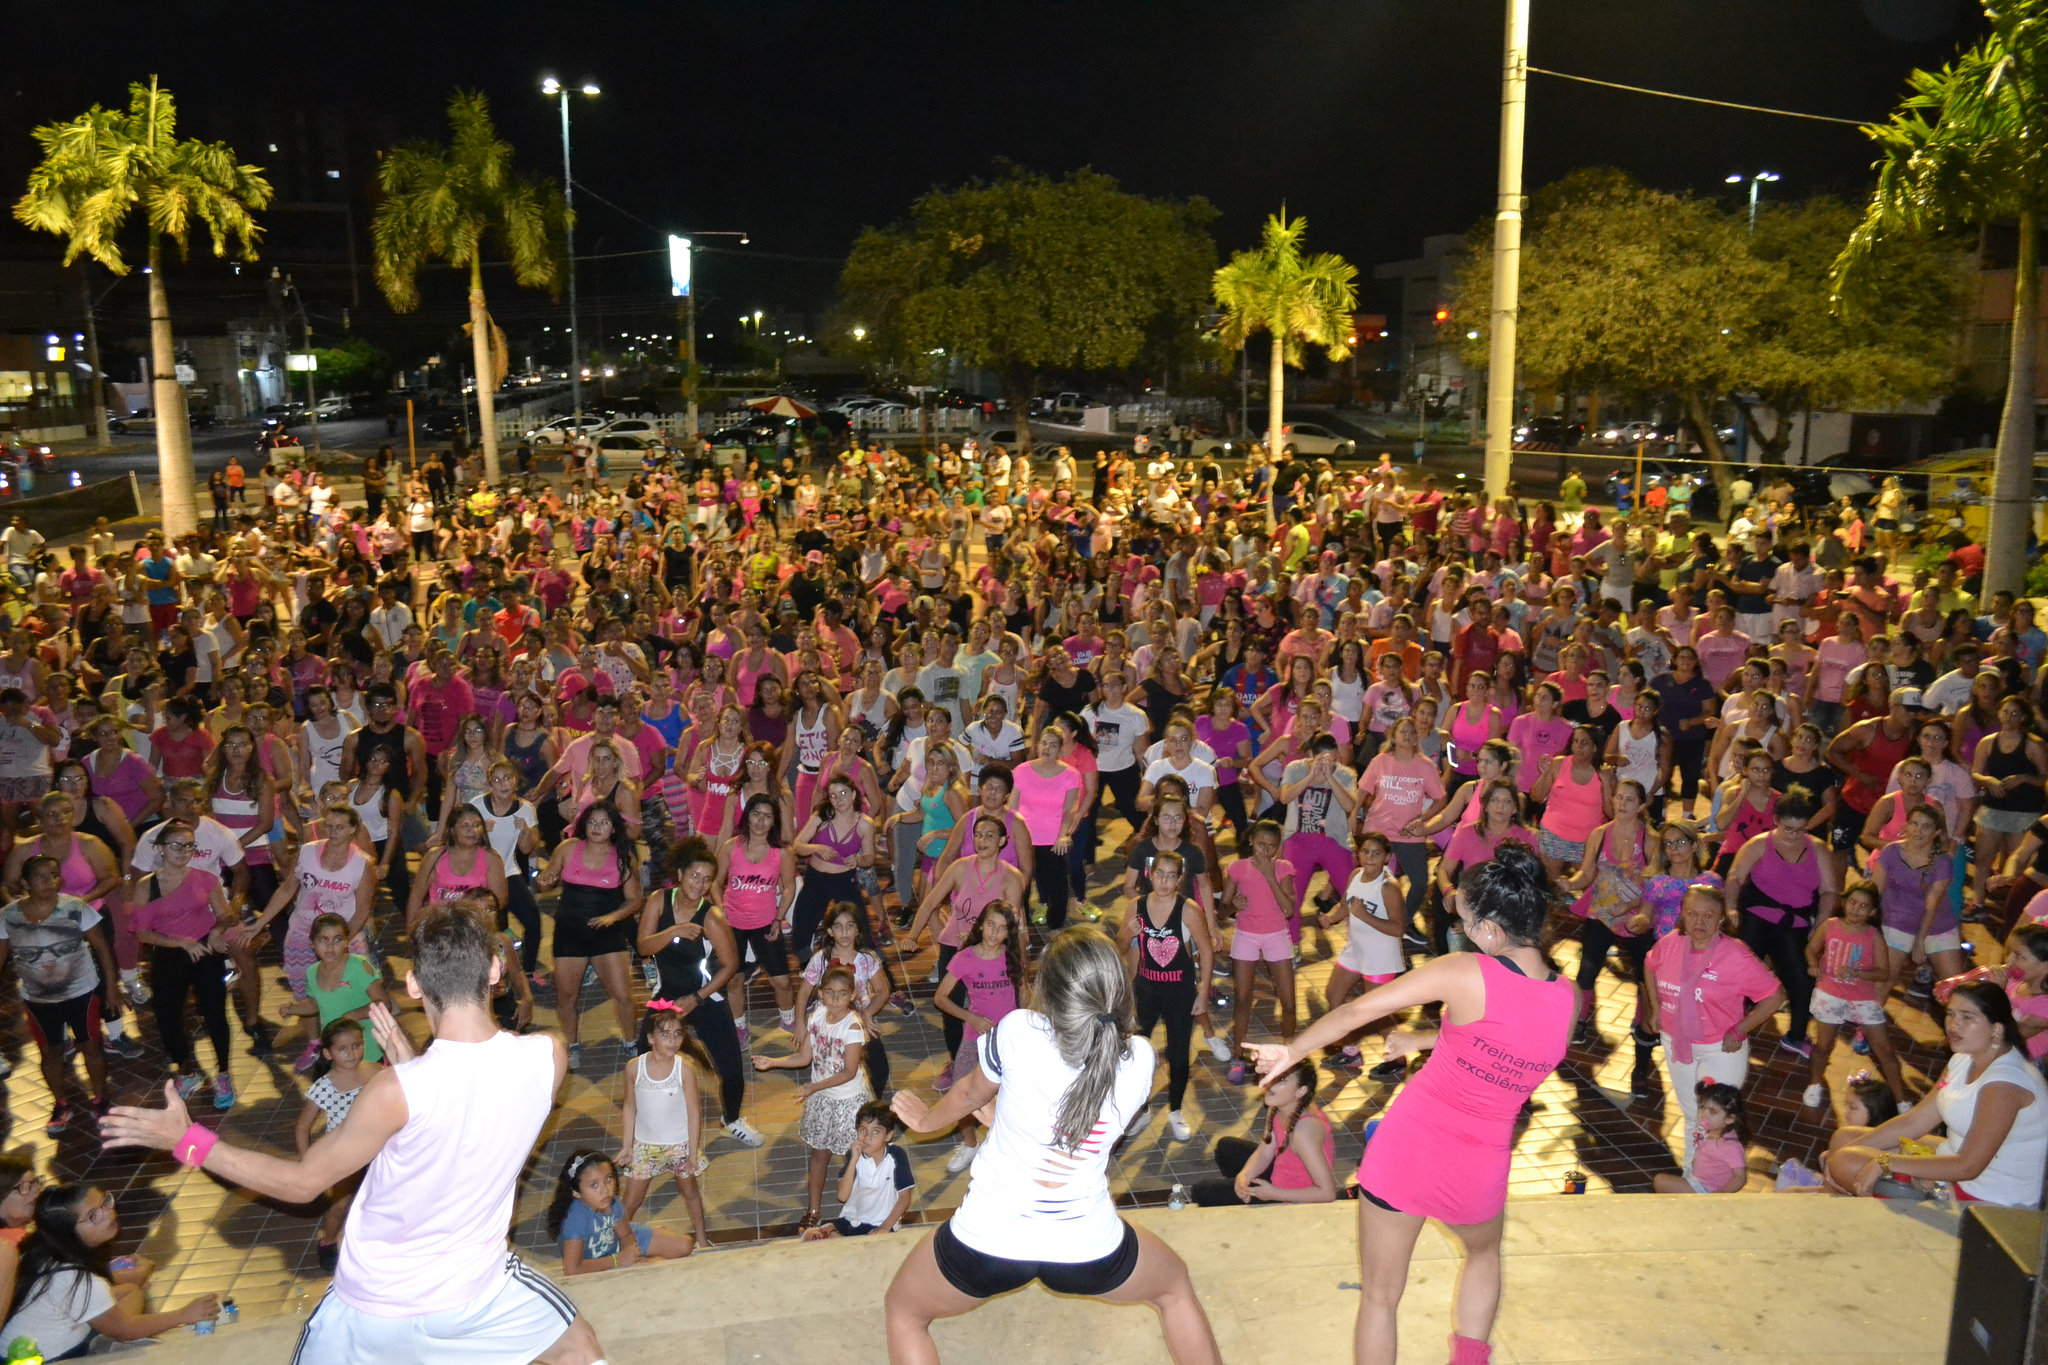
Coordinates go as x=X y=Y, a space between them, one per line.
x=1698 y=99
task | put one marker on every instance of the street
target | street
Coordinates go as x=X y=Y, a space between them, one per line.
x=210 y=450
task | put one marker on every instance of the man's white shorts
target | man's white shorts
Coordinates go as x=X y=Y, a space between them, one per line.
x=511 y=1325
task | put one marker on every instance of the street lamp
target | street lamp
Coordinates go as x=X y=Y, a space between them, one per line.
x=1754 y=182
x=560 y=93
x=682 y=255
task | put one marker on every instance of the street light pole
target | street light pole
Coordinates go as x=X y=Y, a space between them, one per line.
x=1507 y=251
x=1755 y=182
x=682 y=257
x=560 y=92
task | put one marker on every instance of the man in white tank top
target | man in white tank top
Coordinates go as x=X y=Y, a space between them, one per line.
x=425 y=1274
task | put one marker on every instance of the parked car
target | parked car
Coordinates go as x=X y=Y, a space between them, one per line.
x=635 y=441
x=558 y=431
x=1313 y=438
x=632 y=426
x=335 y=409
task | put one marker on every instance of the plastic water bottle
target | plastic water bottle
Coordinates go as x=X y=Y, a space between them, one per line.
x=1178 y=1199
x=652 y=973
x=229 y=1313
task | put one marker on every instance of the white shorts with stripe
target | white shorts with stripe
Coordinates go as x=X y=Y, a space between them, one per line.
x=511 y=1325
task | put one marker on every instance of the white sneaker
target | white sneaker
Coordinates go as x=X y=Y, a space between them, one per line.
x=1815 y=1096
x=963 y=1157
x=933 y=979
x=745 y=1133
x=1178 y=1126
x=1219 y=1049
x=788 y=1018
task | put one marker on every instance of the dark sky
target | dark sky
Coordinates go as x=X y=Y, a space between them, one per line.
x=800 y=122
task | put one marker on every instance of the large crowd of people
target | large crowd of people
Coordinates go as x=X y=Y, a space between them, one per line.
x=861 y=724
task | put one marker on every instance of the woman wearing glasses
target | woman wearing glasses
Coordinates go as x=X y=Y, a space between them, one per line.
x=69 y=1300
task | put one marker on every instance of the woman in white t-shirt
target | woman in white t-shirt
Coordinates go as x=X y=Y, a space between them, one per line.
x=1065 y=1078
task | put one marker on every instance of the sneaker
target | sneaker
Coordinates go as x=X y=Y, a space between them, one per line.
x=933 y=979
x=1861 y=1045
x=629 y=1048
x=1411 y=939
x=744 y=1133
x=589 y=975
x=60 y=1119
x=1814 y=1097
x=746 y=1035
x=1584 y=1034
x=1238 y=1072
x=188 y=1085
x=262 y=1039
x=1348 y=1057
x=1178 y=1126
x=575 y=1056
x=1219 y=1049
x=1798 y=1047
x=1388 y=1072
x=124 y=1047
x=6 y=1068
x=901 y=1000
x=787 y=1018
x=101 y=1107
x=138 y=993
x=962 y=1157
x=223 y=1092
x=944 y=1080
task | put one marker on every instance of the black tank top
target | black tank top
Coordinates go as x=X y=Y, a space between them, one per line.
x=1999 y=763
x=1163 y=956
x=527 y=759
x=685 y=964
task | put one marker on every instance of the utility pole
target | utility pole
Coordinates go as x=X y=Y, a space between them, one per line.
x=560 y=94
x=1507 y=252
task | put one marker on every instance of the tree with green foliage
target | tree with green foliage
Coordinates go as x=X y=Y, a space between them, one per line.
x=1965 y=149
x=443 y=203
x=1645 y=294
x=1804 y=353
x=351 y=366
x=1297 y=299
x=99 y=167
x=1027 y=274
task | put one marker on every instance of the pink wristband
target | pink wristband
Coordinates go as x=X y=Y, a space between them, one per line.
x=195 y=1146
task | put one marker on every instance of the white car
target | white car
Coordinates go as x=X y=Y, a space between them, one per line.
x=559 y=431
x=633 y=426
x=629 y=440
x=1310 y=438
x=334 y=410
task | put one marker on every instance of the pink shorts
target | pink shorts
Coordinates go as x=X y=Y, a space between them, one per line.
x=1380 y=979
x=1274 y=947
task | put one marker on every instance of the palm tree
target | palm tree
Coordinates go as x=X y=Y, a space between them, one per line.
x=102 y=164
x=1964 y=149
x=440 y=203
x=1299 y=299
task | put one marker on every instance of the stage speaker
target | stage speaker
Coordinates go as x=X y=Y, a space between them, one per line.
x=1999 y=1261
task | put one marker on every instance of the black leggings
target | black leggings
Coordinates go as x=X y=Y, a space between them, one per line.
x=521 y=906
x=814 y=896
x=1049 y=875
x=399 y=883
x=953 y=1028
x=174 y=974
x=1689 y=760
x=1230 y=796
x=1232 y=1154
x=423 y=546
x=1171 y=1002
x=1595 y=939
x=1783 y=947
x=712 y=1022
x=1123 y=786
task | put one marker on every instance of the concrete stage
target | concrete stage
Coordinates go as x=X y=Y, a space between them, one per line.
x=1754 y=1279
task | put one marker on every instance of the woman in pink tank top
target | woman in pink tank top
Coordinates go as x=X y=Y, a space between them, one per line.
x=1442 y=1150
x=465 y=861
x=1473 y=721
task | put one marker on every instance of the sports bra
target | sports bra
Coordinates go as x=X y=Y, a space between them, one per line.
x=845 y=848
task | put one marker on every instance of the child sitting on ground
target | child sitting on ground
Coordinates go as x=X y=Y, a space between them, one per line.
x=586 y=1218
x=875 y=1188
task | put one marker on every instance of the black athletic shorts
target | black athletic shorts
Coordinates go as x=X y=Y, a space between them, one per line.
x=756 y=949
x=983 y=1277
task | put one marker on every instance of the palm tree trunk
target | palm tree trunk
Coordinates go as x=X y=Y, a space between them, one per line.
x=167 y=395
x=1276 y=400
x=2005 y=547
x=96 y=398
x=486 y=371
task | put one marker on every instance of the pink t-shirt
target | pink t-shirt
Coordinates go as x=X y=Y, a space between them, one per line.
x=1041 y=801
x=1402 y=789
x=1836 y=657
x=1732 y=975
x=1715 y=1160
x=1536 y=739
x=1469 y=846
x=2033 y=1007
x=1262 y=913
x=1721 y=655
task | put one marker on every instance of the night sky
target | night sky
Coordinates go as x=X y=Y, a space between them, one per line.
x=801 y=122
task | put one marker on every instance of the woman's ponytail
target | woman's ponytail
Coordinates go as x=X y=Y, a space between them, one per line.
x=1086 y=997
